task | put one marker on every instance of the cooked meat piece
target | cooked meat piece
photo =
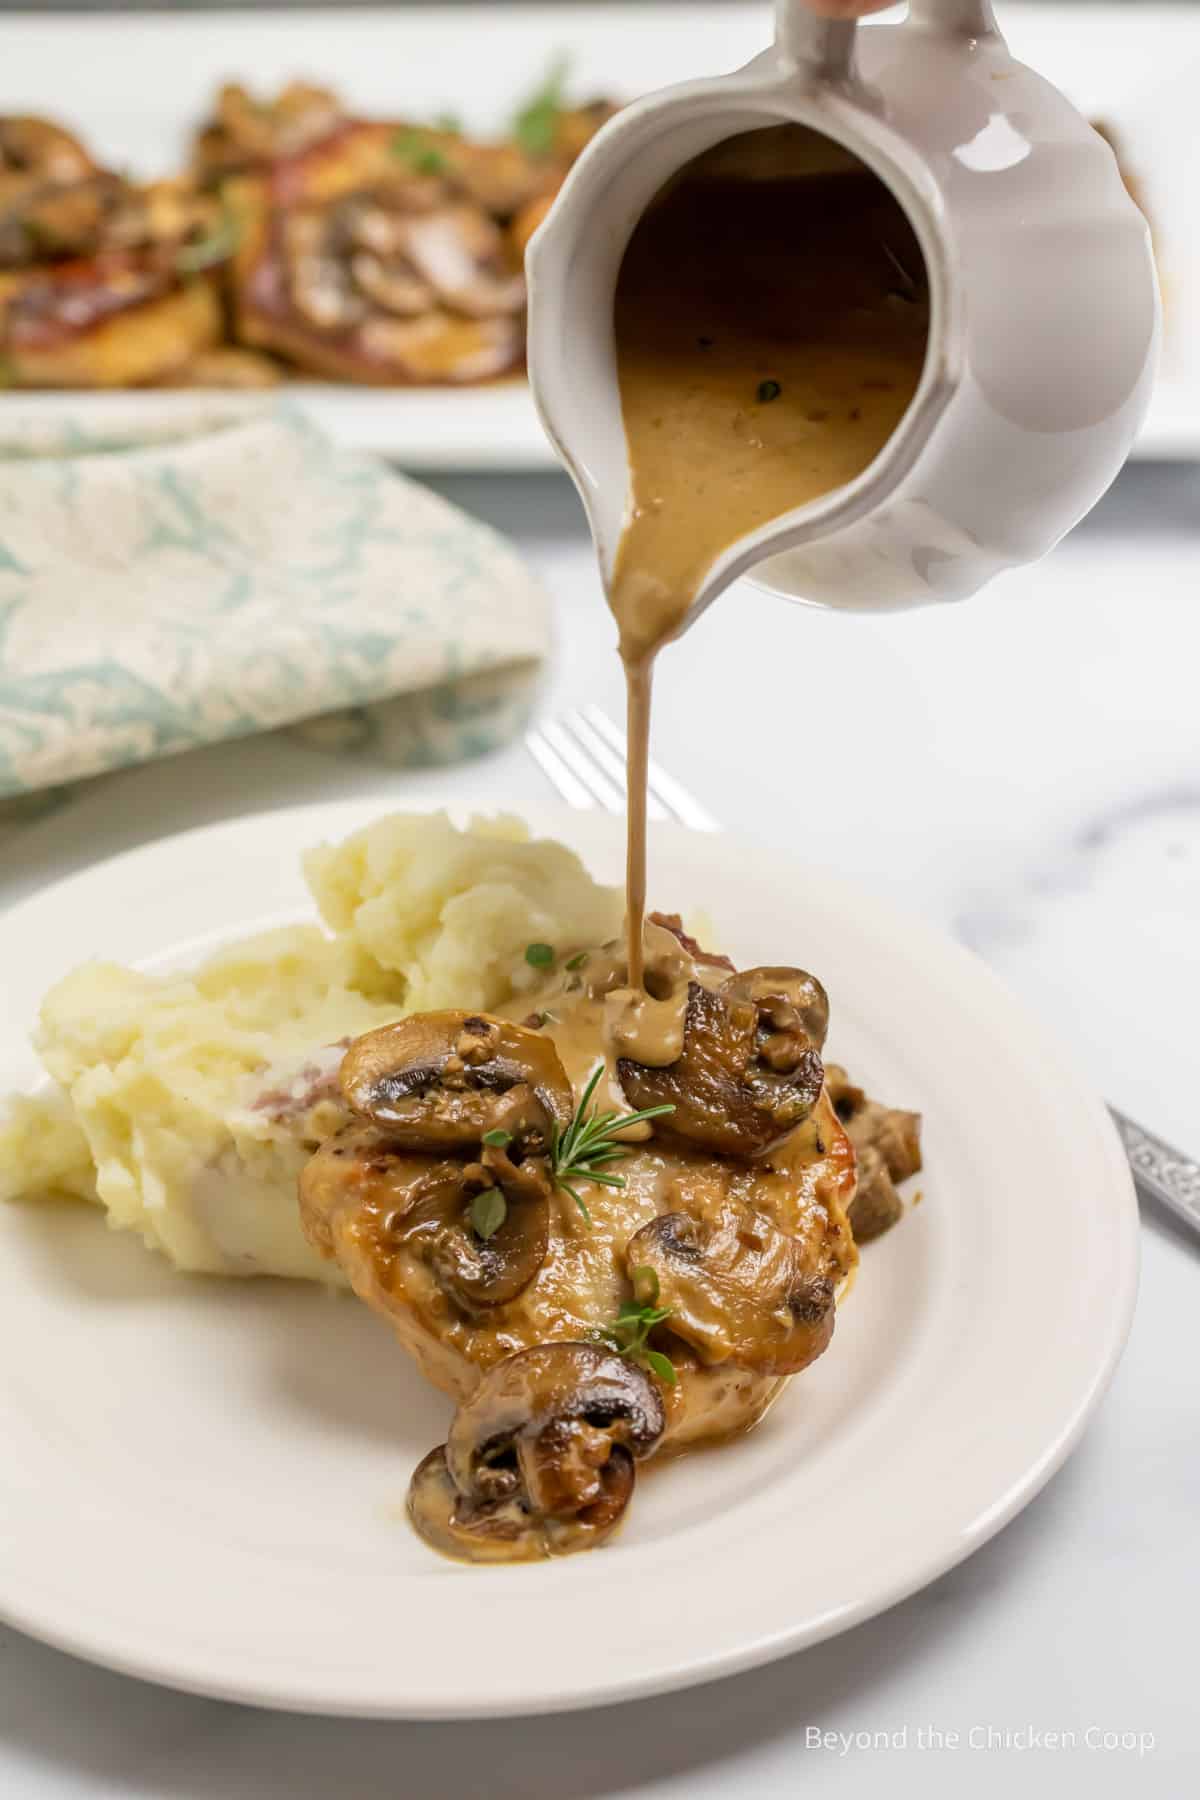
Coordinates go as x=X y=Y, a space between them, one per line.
x=673 y=922
x=225 y=367
x=672 y=1306
x=382 y=1211
x=117 y=320
x=888 y=1145
x=115 y=286
x=877 y=1206
x=357 y=266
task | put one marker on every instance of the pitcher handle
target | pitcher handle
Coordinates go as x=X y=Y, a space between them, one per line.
x=824 y=47
x=954 y=18
x=821 y=47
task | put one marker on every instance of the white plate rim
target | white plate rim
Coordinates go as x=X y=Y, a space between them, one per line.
x=1091 y=1129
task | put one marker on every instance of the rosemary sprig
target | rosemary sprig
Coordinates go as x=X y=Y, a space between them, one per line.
x=584 y=1149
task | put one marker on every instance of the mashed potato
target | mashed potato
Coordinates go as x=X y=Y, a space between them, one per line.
x=187 y=1104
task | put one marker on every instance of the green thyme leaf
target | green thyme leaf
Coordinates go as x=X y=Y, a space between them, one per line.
x=629 y=1335
x=577 y=961
x=539 y=956
x=488 y=1212
x=218 y=247
x=645 y=1283
x=499 y=1140
x=422 y=157
x=768 y=390
x=536 y=123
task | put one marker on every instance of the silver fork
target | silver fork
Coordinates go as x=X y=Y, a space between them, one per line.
x=582 y=756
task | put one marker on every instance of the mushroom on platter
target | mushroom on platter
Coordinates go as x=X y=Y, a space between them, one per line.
x=247 y=132
x=365 y=264
x=105 y=283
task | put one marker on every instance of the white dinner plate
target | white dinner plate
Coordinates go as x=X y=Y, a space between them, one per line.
x=135 y=84
x=203 y=1480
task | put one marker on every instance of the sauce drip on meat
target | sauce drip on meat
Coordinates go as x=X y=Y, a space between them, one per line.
x=771 y=319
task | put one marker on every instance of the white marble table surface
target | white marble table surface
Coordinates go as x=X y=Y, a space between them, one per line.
x=1026 y=772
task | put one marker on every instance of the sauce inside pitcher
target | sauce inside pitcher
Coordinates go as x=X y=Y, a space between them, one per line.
x=771 y=317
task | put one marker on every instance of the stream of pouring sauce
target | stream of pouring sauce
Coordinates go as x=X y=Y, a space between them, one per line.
x=771 y=320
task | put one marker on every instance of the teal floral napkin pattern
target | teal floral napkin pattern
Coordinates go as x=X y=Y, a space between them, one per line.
x=224 y=569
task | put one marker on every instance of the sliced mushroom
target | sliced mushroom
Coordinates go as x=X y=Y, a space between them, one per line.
x=791 y=999
x=480 y=1272
x=540 y=1460
x=461 y=254
x=391 y=285
x=36 y=150
x=247 y=132
x=424 y=1205
x=740 y=1085
x=737 y=1288
x=438 y=1081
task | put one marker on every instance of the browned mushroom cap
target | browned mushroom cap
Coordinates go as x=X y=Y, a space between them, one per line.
x=479 y=1272
x=462 y=255
x=790 y=1000
x=438 y=1081
x=37 y=150
x=424 y=1206
x=247 y=131
x=540 y=1460
x=737 y=1288
x=739 y=1087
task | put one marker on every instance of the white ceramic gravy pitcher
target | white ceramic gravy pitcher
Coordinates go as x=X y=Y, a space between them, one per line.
x=1045 y=316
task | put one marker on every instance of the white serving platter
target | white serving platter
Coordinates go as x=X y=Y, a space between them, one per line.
x=134 y=84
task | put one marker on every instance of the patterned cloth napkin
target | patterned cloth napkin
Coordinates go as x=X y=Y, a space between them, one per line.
x=225 y=570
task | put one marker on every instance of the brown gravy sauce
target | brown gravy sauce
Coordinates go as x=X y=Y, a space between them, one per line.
x=771 y=320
